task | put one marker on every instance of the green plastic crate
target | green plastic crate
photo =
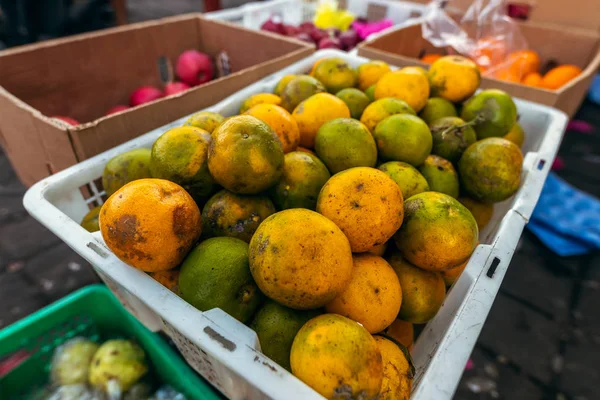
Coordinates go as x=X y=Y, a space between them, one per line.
x=91 y=312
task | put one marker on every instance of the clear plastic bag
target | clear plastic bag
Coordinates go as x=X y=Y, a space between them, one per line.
x=485 y=34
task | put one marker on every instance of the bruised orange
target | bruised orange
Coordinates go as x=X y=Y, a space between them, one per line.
x=560 y=76
x=300 y=259
x=373 y=296
x=333 y=354
x=438 y=232
x=150 y=224
x=401 y=331
x=235 y=215
x=398 y=370
x=365 y=203
x=245 y=155
x=168 y=279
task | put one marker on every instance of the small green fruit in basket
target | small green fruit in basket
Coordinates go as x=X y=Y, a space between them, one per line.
x=216 y=274
x=71 y=361
x=234 y=215
x=516 y=135
x=299 y=89
x=206 y=120
x=117 y=364
x=437 y=108
x=180 y=155
x=276 y=327
x=451 y=137
x=303 y=177
x=370 y=92
x=403 y=137
x=438 y=232
x=490 y=170
x=345 y=143
x=336 y=74
x=423 y=292
x=245 y=155
x=90 y=220
x=409 y=179
x=283 y=83
x=356 y=101
x=492 y=111
x=440 y=175
x=125 y=168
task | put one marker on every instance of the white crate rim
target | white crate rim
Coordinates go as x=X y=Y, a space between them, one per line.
x=439 y=368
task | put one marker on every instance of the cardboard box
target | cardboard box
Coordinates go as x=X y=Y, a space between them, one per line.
x=553 y=43
x=83 y=76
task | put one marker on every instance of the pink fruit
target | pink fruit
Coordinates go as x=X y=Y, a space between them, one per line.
x=290 y=30
x=117 y=109
x=307 y=27
x=318 y=34
x=194 y=67
x=68 y=120
x=330 y=43
x=271 y=26
x=175 y=87
x=305 y=37
x=145 y=94
x=349 y=39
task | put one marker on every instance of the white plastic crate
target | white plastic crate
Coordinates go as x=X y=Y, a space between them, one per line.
x=295 y=12
x=225 y=351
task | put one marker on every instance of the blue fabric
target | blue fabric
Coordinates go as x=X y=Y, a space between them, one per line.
x=566 y=219
x=594 y=90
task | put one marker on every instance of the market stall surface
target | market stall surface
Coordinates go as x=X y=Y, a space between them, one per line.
x=540 y=341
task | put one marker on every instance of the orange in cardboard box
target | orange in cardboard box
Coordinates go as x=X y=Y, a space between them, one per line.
x=490 y=51
x=523 y=62
x=559 y=76
x=533 y=79
x=431 y=58
x=507 y=75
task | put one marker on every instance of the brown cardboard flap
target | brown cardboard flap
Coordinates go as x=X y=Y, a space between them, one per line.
x=129 y=60
x=31 y=141
x=83 y=76
x=100 y=136
x=244 y=47
x=554 y=44
x=86 y=76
